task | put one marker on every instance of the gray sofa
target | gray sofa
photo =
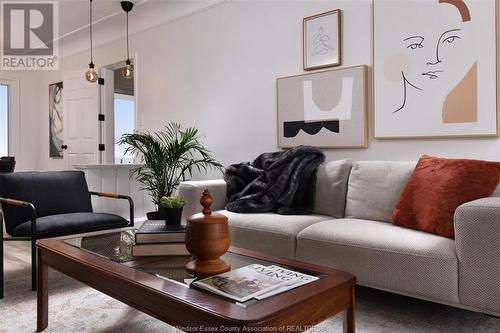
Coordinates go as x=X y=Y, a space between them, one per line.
x=350 y=229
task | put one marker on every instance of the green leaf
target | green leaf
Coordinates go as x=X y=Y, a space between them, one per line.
x=169 y=157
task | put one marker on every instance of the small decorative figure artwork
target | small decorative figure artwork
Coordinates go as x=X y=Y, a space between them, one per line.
x=322 y=47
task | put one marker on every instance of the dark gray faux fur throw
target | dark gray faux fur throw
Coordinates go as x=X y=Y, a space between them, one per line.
x=283 y=182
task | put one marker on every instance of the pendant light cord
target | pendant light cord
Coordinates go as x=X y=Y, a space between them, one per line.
x=128 y=56
x=90 y=20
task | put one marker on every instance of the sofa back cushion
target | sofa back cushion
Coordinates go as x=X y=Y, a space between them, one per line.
x=53 y=192
x=374 y=188
x=331 y=188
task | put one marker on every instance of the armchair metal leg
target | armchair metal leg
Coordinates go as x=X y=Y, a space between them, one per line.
x=33 y=247
x=131 y=204
x=31 y=207
x=1 y=265
x=1 y=254
x=33 y=263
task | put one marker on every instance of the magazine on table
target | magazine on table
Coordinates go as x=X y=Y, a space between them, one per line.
x=299 y=279
x=254 y=281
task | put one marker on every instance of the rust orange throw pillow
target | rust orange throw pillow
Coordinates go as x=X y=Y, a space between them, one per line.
x=437 y=187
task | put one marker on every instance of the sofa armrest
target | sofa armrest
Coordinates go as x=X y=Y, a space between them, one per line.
x=192 y=190
x=477 y=240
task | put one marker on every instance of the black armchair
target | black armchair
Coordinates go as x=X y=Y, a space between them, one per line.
x=39 y=205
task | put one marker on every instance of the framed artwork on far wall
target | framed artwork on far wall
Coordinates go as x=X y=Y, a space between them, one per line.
x=322 y=44
x=325 y=109
x=56 y=117
x=435 y=68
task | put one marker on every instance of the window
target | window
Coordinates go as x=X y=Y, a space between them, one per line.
x=124 y=123
x=4 y=120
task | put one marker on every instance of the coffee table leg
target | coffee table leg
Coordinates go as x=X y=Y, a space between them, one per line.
x=42 y=295
x=349 y=316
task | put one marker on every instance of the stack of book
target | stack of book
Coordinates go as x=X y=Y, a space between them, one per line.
x=254 y=281
x=156 y=238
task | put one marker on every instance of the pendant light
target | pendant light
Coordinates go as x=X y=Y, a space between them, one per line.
x=128 y=70
x=91 y=74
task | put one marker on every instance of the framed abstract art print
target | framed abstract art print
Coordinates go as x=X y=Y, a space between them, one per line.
x=324 y=109
x=434 y=68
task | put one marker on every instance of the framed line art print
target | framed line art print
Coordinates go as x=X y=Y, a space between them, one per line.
x=322 y=40
x=435 y=75
x=325 y=109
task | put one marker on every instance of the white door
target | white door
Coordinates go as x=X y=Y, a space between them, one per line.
x=81 y=124
x=108 y=105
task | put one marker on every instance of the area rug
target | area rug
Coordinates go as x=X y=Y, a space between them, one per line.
x=73 y=307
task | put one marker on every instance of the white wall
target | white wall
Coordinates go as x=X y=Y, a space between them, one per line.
x=217 y=70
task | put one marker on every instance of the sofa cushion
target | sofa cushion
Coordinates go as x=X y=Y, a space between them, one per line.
x=192 y=190
x=331 y=187
x=374 y=187
x=73 y=223
x=268 y=232
x=437 y=187
x=384 y=256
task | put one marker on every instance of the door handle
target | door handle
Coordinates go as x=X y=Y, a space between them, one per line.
x=64 y=147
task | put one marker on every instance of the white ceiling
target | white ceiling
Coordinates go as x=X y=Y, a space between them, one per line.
x=74 y=14
x=109 y=19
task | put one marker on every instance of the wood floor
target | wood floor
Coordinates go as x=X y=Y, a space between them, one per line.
x=17 y=259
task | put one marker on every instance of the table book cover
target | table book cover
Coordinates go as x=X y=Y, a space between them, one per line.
x=160 y=249
x=158 y=231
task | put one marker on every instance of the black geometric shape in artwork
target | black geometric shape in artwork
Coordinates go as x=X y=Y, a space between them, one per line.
x=292 y=128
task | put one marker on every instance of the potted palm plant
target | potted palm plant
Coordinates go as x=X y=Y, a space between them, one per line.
x=169 y=157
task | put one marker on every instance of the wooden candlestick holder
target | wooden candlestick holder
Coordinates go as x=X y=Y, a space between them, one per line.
x=207 y=239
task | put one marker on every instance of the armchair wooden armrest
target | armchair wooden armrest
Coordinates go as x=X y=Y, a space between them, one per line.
x=15 y=202
x=26 y=204
x=118 y=196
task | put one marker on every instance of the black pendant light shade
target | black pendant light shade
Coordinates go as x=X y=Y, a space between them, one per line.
x=128 y=70
x=91 y=74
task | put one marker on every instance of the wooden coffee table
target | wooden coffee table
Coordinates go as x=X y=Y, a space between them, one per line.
x=156 y=286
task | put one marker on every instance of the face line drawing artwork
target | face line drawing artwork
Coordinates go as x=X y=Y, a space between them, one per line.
x=415 y=45
x=418 y=43
x=434 y=69
x=405 y=82
x=449 y=39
